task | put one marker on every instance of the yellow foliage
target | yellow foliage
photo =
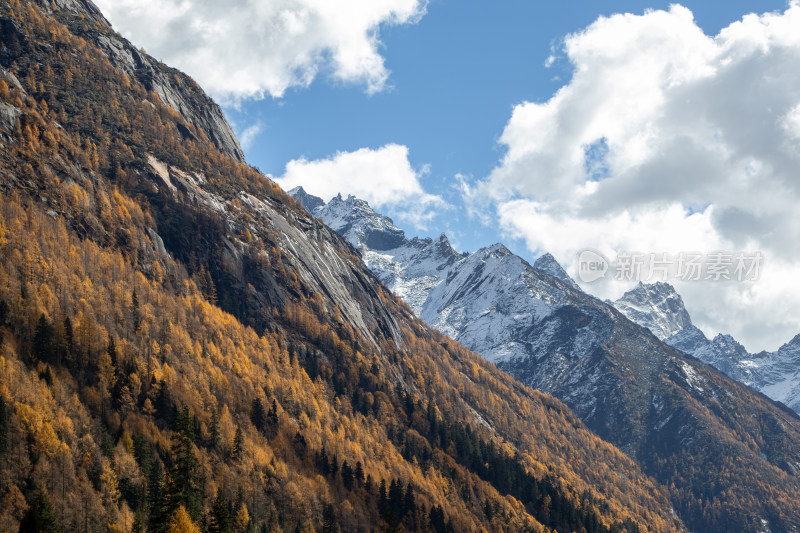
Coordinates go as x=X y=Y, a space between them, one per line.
x=241 y=519
x=181 y=522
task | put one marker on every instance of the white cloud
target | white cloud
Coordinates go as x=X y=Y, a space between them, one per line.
x=791 y=123
x=248 y=136
x=666 y=140
x=250 y=48
x=383 y=177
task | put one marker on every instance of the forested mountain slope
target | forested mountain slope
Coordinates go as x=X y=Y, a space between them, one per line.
x=185 y=348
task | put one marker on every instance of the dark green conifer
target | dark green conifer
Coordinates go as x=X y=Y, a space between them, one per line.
x=40 y=517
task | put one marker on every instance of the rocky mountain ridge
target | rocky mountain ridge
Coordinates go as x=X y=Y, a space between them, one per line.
x=174 y=88
x=655 y=403
x=660 y=308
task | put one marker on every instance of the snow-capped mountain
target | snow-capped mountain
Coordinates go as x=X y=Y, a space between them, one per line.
x=548 y=264
x=477 y=299
x=665 y=409
x=657 y=307
x=780 y=377
x=354 y=219
x=660 y=308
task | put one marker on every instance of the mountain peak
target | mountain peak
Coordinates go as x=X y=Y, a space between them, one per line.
x=728 y=351
x=358 y=222
x=795 y=342
x=656 y=306
x=443 y=243
x=498 y=249
x=309 y=201
x=548 y=264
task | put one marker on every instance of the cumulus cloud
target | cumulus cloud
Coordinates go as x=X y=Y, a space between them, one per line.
x=248 y=136
x=383 y=177
x=667 y=139
x=250 y=48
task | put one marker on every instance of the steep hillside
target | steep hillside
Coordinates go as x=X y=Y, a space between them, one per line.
x=185 y=348
x=172 y=87
x=729 y=455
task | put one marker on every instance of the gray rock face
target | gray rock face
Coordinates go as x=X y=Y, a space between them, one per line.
x=79 y=7
x=173 y=87
x=309 y=201
x=10 y=80
x=8 y=117
x=8 y=113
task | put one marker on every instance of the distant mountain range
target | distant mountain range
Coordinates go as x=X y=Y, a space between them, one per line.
x=660 y=308
x=667 y=410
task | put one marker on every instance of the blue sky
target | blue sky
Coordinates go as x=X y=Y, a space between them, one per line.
x=549 y=126
x=455 y=76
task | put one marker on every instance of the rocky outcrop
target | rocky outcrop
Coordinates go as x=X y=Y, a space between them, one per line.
x=657 y=307
x=173 y=87
x=8 y=117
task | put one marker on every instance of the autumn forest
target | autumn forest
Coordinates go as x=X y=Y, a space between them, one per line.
x=184 y=348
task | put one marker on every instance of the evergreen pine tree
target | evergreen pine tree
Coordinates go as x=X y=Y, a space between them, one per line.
x=43 y=339
x=184 y=484
x=69 y=340
x=138 y=523
x=272 y=420
x=4 y=416
x=347 y=475
x=238 y=443
x=329 y=519
x=395 y=506
x=358 y=474
x=409 y=503
x=112 y=350
x=40 y=517
x=135 y=313
x=258 y=416
x=219 y=520
x=214 y=430
x=334 y=465
x=383 y=501
x=436 y=519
